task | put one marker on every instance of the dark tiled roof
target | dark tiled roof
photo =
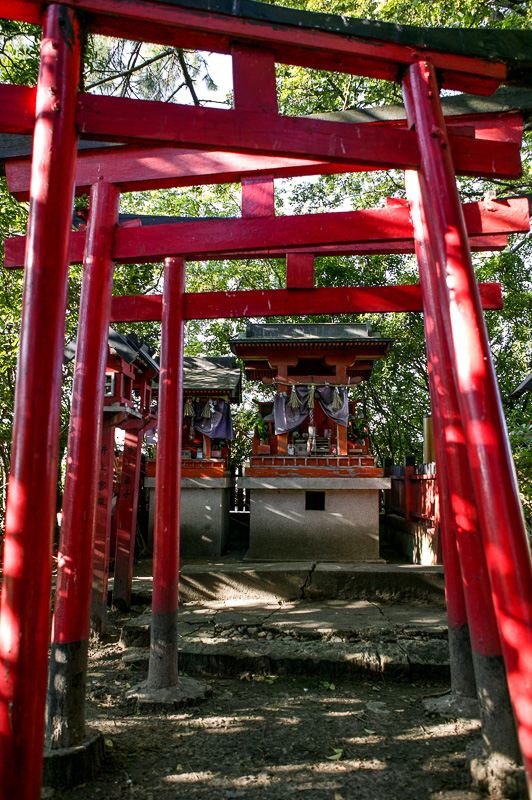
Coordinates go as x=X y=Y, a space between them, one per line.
x=219 y=373
x=308 y=332
x=128 y=347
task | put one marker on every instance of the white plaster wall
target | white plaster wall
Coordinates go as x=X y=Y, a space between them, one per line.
x=204 y=522
x=204 y=528
x=282 y=530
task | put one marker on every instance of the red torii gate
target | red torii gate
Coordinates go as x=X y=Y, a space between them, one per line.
x=440 y=232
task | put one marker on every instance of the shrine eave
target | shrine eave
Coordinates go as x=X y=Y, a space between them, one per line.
x=261 y=338
x=249 y=349
x=212 y=377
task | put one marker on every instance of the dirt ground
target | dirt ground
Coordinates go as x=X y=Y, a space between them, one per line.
x=275 y=738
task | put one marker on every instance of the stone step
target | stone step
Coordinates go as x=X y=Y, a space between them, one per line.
x=282 y=582
x=401 y=660
x=331 y=640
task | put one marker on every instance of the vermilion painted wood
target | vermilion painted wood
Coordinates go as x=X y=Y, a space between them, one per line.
x=141 y=168
x=18 y=104
x=15 y=247
x=120 y=119
x=258 y=197
x=286 y=302
x=299 y=271
x=65 y=707
x=72 y=604
x=102 y=532
x=458 y=499
x=502 y=128
x=254 y=87
x=477 y=243
x=126 y=515
x=470 y=577
x=163 y=651
x=488 y=448
x=30 y=513
x=191 y=29
x=210 y=236
x=204 y=238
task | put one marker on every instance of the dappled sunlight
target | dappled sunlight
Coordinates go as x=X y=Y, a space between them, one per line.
x=269 y=736
x=293 y=515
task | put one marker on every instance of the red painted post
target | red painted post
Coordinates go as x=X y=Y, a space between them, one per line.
x=486 y=441
x=102 y=532
x=162 y=671
x=126 y=517
x=299 y=270
x=25 y=601
x=65 y=712
x=461 y=541
x=458 y=503
x=463 y=681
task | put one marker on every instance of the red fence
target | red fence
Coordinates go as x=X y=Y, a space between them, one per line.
x=411 y=512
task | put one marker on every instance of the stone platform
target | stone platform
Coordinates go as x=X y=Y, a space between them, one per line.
x=229 y=579
x=331 y=639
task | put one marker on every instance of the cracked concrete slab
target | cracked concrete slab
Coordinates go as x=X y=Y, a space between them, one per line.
x=330 y=620
x=284 y=581
x=309 y=658
x=378 y=582
x=265 y=581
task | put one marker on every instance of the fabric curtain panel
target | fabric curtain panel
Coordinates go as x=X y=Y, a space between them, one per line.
x=290 y=416
x=219 y=425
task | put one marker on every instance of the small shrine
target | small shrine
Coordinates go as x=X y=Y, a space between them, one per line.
x=314 y=486
x=210 y=387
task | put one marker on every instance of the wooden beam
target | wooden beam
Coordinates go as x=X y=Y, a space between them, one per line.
x=286 y=302
x=120 y=119
x=258 y=198
x=237 y=236
x=320 y=41
x=299 y=270
x=142 y=168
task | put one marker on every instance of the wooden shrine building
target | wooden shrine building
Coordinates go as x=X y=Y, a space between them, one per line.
x=211 y=386
x=314 y=487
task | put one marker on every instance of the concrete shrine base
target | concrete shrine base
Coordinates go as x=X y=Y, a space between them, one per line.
x=204 y=515
x=332 y=519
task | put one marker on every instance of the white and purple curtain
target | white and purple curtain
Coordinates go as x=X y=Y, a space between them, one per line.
x=287 y=417
x=219 y=425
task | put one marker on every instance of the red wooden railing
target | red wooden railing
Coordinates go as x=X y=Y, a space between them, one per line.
x=413 y=501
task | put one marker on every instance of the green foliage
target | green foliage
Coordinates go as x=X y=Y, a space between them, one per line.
x=520 y=432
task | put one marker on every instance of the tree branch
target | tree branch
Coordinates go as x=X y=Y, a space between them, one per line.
x=188 y=79
x=128 y=72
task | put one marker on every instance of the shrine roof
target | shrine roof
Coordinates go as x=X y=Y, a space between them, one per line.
x=307 y=333
x=219 y=374
x=128 y=347
x=524 y=386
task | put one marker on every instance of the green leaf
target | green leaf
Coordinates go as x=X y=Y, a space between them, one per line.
x=338 y=752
